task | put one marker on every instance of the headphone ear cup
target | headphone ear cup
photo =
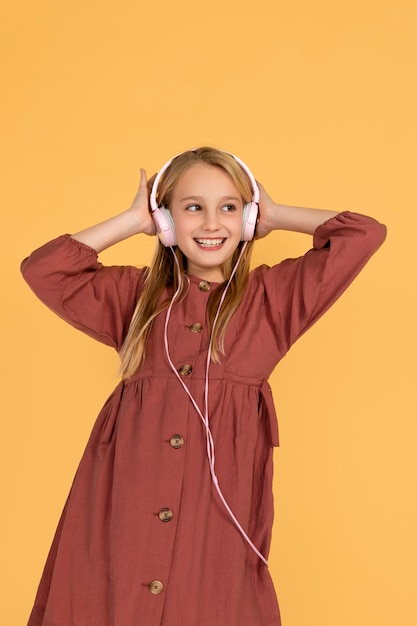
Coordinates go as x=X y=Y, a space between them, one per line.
x=249 y=219
x=164 y=225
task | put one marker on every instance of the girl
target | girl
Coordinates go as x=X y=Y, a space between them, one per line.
x=169 y=518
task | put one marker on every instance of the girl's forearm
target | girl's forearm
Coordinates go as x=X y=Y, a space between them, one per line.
x=298 y=219
x=111 y=231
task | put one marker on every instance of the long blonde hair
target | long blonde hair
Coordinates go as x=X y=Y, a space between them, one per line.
x=162 y=272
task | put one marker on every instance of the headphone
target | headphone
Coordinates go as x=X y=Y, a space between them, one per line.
x=164 y=223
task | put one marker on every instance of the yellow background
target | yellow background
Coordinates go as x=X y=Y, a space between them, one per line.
x=320 y=99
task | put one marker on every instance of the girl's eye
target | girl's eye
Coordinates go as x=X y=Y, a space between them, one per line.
x=193 y=207
x=228 y=208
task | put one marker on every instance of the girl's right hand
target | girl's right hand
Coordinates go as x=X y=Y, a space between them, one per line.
x=137 y=219
x=140 y=206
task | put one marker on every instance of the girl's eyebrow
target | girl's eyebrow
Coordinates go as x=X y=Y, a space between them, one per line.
x=201 y=198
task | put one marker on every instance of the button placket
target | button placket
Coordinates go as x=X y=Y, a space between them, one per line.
x=166 y=519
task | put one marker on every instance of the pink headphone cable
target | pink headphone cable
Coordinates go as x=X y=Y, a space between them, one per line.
x=205 y=417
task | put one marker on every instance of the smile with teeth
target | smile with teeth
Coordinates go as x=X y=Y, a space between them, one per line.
x=210 y=243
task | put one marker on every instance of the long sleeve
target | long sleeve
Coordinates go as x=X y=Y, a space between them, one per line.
x=67 y=276
x=298 y=291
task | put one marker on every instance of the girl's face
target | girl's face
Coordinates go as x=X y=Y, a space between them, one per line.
x=207 y=211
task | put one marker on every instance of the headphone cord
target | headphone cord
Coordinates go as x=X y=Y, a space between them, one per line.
x=205 y=417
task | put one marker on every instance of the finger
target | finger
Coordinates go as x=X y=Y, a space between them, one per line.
x=143 y=180
x=141 y=190
x=150 y=182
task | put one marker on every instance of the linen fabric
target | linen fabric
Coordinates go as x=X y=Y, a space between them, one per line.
x=114 y=561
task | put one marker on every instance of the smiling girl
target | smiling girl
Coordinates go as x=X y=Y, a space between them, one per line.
x=169 y=518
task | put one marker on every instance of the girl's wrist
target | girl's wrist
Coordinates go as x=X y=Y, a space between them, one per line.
x=273 y=217
x=137 y=224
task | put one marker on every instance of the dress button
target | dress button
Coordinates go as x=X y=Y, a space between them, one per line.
x=204 y=285
x=176 y=441
x=185 y=369
x=196 y=328
x=156 y=587
x=165 y=515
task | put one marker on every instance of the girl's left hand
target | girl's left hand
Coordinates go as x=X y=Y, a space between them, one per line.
x=267 y=208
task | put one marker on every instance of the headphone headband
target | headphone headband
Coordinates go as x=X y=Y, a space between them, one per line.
x=163 y=219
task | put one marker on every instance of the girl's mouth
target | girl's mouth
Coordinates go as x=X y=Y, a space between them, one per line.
x=210 y=243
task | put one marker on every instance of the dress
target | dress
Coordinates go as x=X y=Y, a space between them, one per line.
x=143 y=539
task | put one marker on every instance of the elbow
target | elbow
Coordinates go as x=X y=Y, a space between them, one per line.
x=35 y=275
x=377 y=234
x=27 y=270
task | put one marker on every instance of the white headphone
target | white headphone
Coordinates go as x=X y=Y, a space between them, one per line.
x=165 y=224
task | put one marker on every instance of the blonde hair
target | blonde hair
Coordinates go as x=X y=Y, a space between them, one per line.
x=162 y=272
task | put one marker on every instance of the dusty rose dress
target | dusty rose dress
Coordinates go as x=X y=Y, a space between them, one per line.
x=143 y=539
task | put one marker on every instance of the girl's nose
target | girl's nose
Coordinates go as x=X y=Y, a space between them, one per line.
x=211 y=220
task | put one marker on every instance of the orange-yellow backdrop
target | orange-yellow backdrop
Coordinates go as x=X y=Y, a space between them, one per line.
x=320 y=99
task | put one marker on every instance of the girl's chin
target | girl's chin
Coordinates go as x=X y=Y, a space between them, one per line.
x=207 y=268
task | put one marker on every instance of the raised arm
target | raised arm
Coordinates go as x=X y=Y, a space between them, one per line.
x=66 y=275
x=273 y=216
x=134 y=220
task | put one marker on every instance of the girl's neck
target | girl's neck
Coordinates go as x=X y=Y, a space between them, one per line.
x=212 y=275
